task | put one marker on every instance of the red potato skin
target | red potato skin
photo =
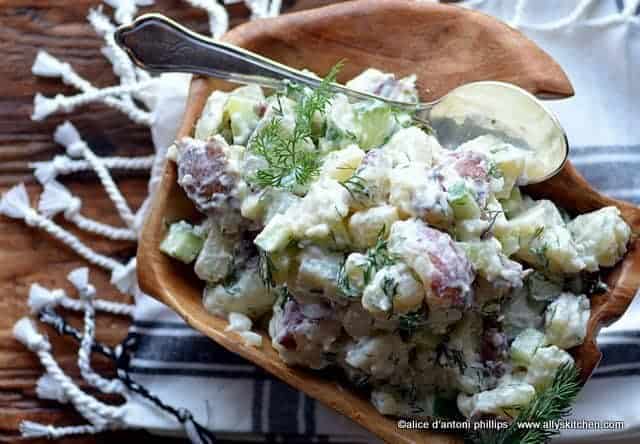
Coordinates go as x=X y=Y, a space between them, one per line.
x=203 y=172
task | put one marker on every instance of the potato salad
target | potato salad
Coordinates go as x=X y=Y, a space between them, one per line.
x=424 y=275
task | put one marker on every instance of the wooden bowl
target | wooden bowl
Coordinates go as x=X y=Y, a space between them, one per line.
x=445 y=46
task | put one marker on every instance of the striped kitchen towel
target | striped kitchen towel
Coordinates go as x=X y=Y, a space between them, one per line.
x=598 y=44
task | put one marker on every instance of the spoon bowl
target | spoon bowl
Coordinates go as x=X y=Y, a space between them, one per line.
x=445 y=46
x=158 y=44
x=508 y=112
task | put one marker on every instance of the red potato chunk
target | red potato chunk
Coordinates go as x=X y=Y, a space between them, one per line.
x=204 y=172
x=304 y=332
x=444 y=269
x=471 y=166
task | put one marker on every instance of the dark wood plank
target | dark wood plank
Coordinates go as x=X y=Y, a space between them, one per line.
x=28 y=256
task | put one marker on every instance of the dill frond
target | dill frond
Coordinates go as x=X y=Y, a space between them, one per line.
x=450 y=357
x=552 y=404
x=266 y=270
x=289 y=162
x=357 y=188
x=378 y=256
x=344 y=284
x=493 y=214
x=411 y=322
x=494 y=171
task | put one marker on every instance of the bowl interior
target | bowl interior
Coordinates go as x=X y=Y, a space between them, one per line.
x=445 y=46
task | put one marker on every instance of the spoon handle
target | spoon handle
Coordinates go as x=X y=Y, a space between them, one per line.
x=158 y=44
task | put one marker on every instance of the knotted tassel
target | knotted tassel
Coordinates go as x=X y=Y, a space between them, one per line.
x=67 y=135
x=62 y=165
x=125 y=10
x=79 y=278
x=41 y=298
x=48 y=388
x=15 y=204
x=57 y=199
x=45 y=65
x=48 y=66
x=125 y=278
x=32 y=430
x=101 y=415
x=218 y=16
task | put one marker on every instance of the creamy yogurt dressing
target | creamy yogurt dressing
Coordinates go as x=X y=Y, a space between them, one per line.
x=422 y=273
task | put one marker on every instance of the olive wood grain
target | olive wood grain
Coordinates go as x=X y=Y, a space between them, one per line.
x=27 y=255
x=445 y=46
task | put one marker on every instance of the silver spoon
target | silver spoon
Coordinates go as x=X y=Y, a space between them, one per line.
x=158 y=44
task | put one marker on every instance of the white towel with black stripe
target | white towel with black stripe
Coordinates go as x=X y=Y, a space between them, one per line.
x=598 y=44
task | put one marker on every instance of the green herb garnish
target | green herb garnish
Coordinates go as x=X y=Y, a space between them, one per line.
x=230 y=281
x=289 y=163
x=266 y=269
x=493 y=214
x=283 y=298
x=344 y=284
x=494 y=171
x=552 y=404
x=450 y=357
x=377 y=257
x=357 y=188
x=409 y=323
x=541 y=254
x=389 y=288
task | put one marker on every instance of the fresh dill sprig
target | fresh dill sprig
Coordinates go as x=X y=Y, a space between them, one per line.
x=389 y=287
x=357 y=188
x=378 y=256
x=283 y=297
x=289 y=163
x=493 y=214
x=450 y=357
x=552 y=404
x=494 y=170
x=344 y=283
x=537 y=233
x=230 y=280
x=540 y=252
x=411 y=322
x=266 y=270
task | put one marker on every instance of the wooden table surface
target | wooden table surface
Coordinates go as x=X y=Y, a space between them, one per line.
x=27 y=255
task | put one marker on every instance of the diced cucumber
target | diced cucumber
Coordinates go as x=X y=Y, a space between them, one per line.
x=341 y=126
x=275 y=236
x=463 y=202
x=525 y=345
x=210 y=121
x=543 y=288
x=182 y=242
x=242 y=112
x=513 y=204
x=215 y=260
x=376 y=122
x=521 y=312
